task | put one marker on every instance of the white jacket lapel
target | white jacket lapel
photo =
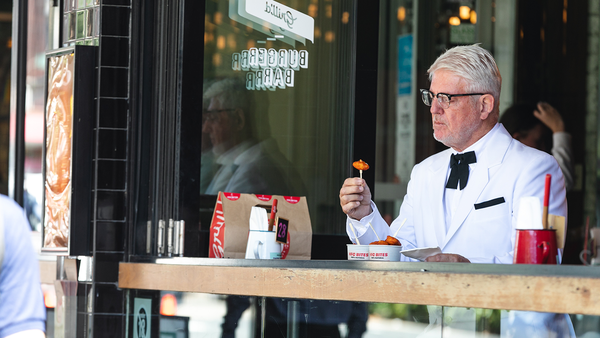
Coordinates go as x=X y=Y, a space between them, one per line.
x=492 y=155
x=435 y=218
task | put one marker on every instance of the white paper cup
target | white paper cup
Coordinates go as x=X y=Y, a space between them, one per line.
x=386 y=253
x=358 y=252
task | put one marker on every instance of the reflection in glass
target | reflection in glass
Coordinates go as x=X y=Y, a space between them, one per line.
x=305 y=106
x=66 y=26
x=239 y=154
x=305 y=318
x=89 y=20
x=72 y=25
x=81 y=25
x=59 y=113
x=96 y=30
x=68 y=5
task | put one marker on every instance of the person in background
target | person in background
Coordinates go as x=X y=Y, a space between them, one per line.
x=22 y=310
x=540 y=126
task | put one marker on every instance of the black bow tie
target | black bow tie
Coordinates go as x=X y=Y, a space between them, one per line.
x=460 y=169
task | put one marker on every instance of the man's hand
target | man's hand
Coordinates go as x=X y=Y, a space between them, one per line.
x=355 y=198
x=453 y=258
x=550 y=117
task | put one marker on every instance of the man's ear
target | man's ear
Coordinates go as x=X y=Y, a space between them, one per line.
x=487 y=105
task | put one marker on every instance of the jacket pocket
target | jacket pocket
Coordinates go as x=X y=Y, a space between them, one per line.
x=489 y=203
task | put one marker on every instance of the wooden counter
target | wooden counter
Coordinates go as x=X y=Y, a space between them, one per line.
x=561 y=289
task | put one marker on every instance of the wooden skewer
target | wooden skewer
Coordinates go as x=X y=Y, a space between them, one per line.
x=354 y=233
x=400 y=227
x=374 y=232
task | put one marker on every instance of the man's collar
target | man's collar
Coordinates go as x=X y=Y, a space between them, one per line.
x=479 y=144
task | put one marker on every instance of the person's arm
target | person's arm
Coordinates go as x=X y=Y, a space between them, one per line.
x=366 y=223
x=562 y=152
x=28 y=334
x=561 y=140
x=21 y=301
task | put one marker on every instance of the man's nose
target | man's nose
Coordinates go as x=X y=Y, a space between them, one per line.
x=205 y=127
x=435 y=107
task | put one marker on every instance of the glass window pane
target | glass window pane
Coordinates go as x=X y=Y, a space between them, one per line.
x=66 y=26
x=68 y=5
x=89 y=30
x=240 y=316
x=37 y=40
x=72 y=25
x=81 y=25
x=96 y=21
x=277 y=107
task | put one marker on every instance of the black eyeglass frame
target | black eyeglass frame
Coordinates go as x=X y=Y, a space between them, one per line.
x=426 y=93
x=207 y=113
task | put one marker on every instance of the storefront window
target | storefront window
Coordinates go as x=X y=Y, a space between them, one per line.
x=277 y=106
x=40 y=38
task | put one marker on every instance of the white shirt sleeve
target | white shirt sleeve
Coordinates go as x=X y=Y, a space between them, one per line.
x=562 y=152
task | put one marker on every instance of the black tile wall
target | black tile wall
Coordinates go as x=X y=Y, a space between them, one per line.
x=112 y=144
x=109 y=299
x=110 y=206
x=82 y=324
x=107 y=319
x=108 y=326
x=113 y=113
x=110 y=236
x=154 y=296
x=82 y=293
x=107 y=267
x=114 y=82
x=115 y=51
x=111 y=174
x=115 y=21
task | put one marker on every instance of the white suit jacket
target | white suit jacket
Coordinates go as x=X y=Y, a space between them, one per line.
x=483 y=225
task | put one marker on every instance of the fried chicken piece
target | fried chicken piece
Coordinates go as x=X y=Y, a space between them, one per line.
x=360 y=165
x=392 y=240
x=379 y=243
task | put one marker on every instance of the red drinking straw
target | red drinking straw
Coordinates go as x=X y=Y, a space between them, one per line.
x=273 y=212
x=546 y=201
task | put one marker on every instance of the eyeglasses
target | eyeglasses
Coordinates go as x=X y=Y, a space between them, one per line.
x=442 y=98
x=213 y=115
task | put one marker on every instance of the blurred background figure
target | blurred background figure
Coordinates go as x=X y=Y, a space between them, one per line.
x=22 y=310
x=540 y=126
x=246 y=158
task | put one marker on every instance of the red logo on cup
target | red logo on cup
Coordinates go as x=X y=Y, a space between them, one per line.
x=292 y=199
x=232 y=196
x=217 y=231
x=264 y=198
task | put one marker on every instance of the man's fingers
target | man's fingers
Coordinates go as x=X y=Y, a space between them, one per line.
x=450 y=258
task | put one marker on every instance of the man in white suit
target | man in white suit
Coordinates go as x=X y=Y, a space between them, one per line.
x=465 y=199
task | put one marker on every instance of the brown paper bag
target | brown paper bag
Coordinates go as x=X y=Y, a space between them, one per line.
x=230 y=224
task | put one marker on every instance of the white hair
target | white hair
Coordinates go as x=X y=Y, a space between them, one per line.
x=473 y=64
x=230 y=93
